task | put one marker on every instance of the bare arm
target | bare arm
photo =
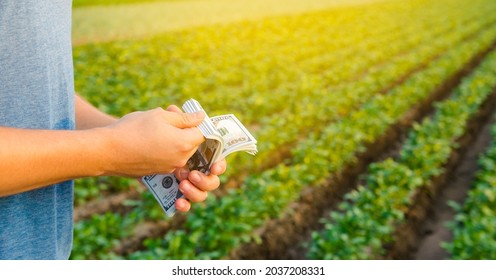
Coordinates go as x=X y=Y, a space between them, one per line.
x=33 y=158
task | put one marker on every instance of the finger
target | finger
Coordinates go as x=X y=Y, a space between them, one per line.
x=181 y=173
x=219 y=167
x=191 y=192
x=184 y=120
x=174 y=108
x=182 y=205
x=204 y=182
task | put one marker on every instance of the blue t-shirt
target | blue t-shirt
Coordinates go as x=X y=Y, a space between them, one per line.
x=36 y=91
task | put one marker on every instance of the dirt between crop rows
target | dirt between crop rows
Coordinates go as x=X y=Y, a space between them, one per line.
x=282 y=238
x=408 y=235
x=114 y=203
x=433 y=230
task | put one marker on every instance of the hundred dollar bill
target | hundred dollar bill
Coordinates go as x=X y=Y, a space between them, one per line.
x=223 y=134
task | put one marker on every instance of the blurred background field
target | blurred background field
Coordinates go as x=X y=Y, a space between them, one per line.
x=96 y=21
x=373 y=119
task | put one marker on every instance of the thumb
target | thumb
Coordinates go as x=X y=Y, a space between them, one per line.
x=192 y=134
x=186 y=120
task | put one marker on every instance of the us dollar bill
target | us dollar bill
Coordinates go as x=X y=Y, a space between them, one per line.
x=165 y=189
x=235 y=136
x=223 y=134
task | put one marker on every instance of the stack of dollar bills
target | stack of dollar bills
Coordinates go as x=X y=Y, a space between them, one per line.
x=224 y=135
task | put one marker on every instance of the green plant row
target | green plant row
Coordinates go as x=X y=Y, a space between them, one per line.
x=214 y=229
x=474 y=231
x=368 y=217
x=333 y=102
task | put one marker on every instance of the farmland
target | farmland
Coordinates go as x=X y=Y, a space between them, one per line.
x=363 y=113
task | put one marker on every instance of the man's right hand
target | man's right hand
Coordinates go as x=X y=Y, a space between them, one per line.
x=155 y=141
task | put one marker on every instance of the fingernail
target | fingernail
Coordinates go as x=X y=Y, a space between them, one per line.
x=200 y=115
x=195 y=177
x=184 y=174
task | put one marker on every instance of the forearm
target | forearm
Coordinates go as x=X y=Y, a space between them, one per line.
x=87 y=116
x=34 y=158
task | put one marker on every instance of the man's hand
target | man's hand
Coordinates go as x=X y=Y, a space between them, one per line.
x=167 y=139
x=155 y=141
x=194 y=184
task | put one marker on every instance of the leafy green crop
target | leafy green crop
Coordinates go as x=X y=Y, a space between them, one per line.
x=91 y=243
x=322 y=85
x=366 y=221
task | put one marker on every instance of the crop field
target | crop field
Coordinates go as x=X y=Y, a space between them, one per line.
x=374 y=120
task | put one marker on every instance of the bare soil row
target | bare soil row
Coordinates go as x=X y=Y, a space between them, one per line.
x=433 y=230
x=408 y=235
